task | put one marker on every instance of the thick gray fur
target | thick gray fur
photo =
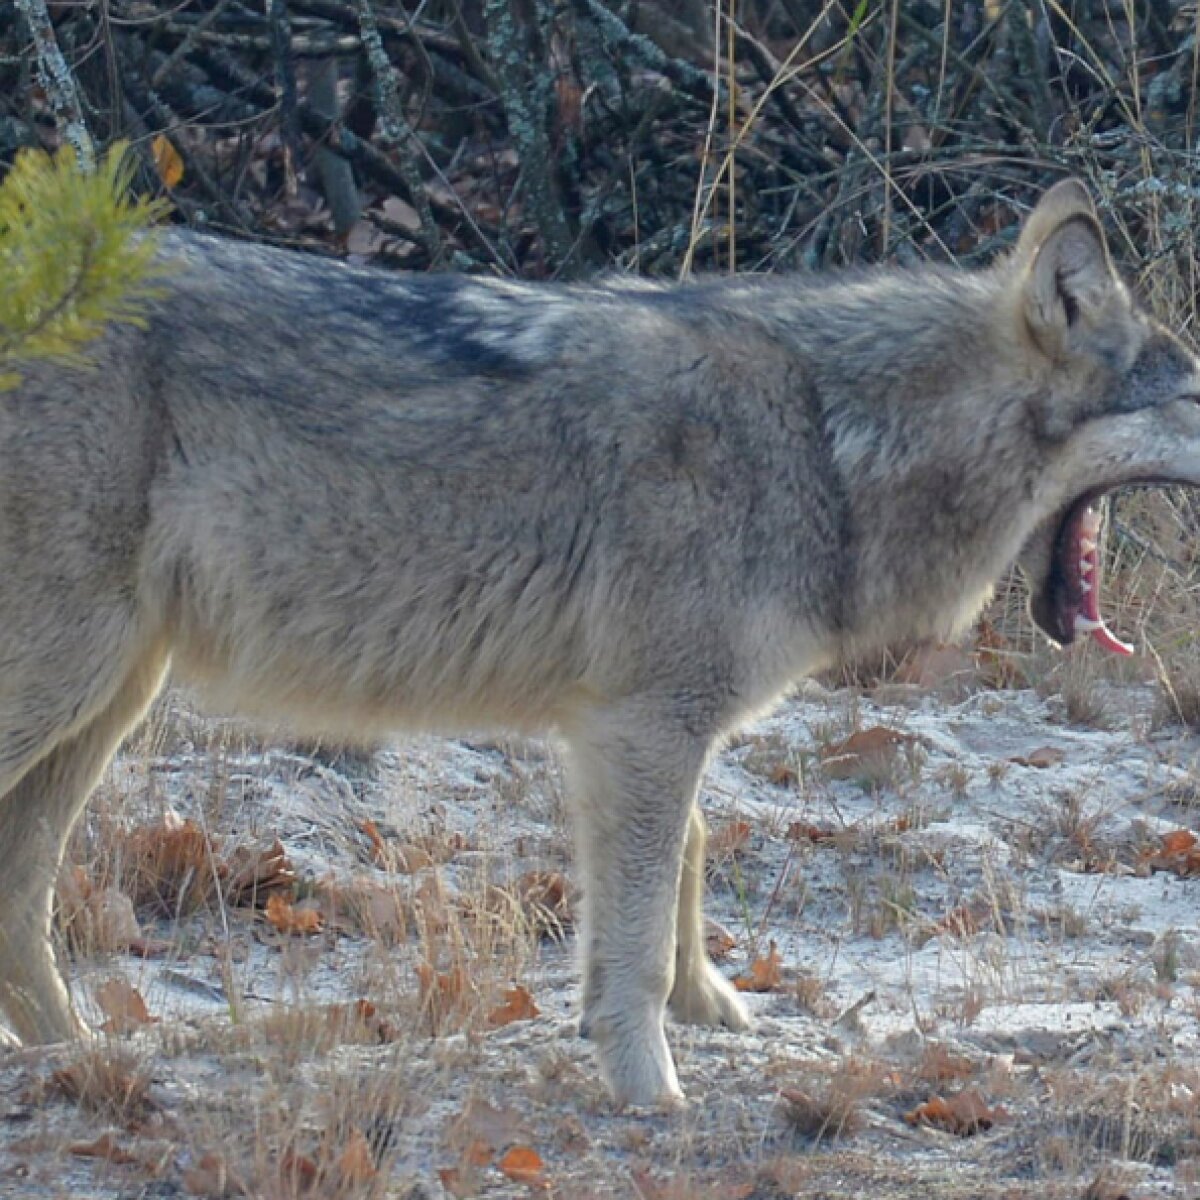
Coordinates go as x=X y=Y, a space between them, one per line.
x=630 y=514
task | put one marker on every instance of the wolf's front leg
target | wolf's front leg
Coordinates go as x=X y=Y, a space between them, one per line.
x=37 y=811
x=701 y=995
x=635 y=775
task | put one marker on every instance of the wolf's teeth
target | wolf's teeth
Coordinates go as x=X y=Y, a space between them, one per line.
x=1087 y=545
x=1085 y=625
x=1084 y=586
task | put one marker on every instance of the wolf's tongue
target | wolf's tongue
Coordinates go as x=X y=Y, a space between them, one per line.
x=1088 y=619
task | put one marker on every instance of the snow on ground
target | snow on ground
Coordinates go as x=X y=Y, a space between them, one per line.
x=975 y=907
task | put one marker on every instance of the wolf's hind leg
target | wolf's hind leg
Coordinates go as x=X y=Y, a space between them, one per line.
x=701 y=995
x=36 y=815
x=635 y=774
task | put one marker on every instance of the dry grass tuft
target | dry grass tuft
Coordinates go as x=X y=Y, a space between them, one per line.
x=108 y=1081
x=832 y=1103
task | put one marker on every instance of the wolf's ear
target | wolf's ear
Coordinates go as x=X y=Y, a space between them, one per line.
x=1066 y=274
x=1067 y=198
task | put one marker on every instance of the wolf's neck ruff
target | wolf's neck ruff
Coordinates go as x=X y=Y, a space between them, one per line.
x=1081 y=597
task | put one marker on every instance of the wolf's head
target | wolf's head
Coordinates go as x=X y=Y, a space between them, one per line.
x=1120 y=404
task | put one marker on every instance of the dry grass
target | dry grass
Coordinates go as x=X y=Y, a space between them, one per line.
x=392 y=1061
x=110 y=1082
x=820 y=1105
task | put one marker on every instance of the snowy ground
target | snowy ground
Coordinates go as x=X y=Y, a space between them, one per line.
x=983 y=902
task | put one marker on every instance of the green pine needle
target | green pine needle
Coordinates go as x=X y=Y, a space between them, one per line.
x=75 y=253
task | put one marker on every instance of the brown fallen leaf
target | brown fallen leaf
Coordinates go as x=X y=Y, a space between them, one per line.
x=254 y=873
x=963 y=1114
x=538 y=899
x=107 y=1147
x=940 y=1065
x=802 y=831
x=111 y=921
x=546 y=901
x=167 y=161
x=518 y=1006
x=444 y=994
x=298 y=1172
x=1178 y=852
x=765 y=973
x=481 y=1130
x=729 y=837
x=174 y=863
x=321 y=1027
x=95 y=920
x=377 y=910
x=287 y=918
x=719 y=942
x=431 y=905
x=145 y=947
x=1178 y=841
x=460 y=1184
x=356 y=1163
x=409 y=859
x=379 y=847
x=478 y=1153
x=962 y=921
x=210 y=1176
x=476 y=1137
x=783 y=774
x=123 y=1006
x=1043 y=757
x=863 y=751
x=360 y=1023
x=523 y=1164
x=73 y=887
x=404 y=858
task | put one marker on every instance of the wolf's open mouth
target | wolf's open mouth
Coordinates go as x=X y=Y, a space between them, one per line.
x=1074 y=585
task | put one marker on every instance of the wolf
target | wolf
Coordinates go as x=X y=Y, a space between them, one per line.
x=629 y=514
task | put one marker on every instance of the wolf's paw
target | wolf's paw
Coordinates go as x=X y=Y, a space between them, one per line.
x=634 y=1061
x=706 y=997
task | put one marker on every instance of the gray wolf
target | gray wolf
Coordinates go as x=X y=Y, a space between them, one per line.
x=631 y=514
